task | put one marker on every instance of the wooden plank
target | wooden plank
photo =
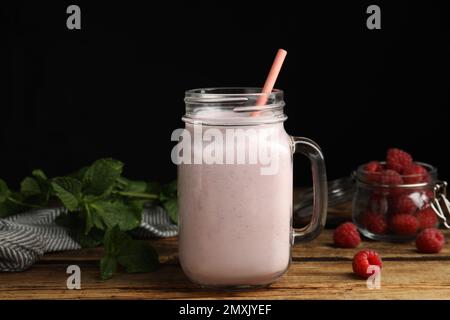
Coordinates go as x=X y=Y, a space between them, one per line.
x=305 y=280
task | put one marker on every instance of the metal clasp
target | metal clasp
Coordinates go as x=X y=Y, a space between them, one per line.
x=440 y=203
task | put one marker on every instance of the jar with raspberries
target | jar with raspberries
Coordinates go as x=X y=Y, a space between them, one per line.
x=393 y=198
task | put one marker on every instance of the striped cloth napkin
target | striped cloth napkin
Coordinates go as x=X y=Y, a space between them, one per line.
x=25 y=237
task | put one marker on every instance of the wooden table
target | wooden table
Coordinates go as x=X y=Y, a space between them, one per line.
x=318 y=271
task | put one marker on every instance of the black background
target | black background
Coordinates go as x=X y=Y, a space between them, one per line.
x=116 y=87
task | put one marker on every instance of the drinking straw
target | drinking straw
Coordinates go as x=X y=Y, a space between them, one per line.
x=271 y=78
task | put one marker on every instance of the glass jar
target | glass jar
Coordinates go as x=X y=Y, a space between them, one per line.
x=235 y=207
x=394 y=212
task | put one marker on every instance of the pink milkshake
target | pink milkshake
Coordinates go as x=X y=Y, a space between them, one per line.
x=235 y=218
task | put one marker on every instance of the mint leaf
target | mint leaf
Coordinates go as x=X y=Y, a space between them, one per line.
x=39 y=174
x=133 y=255
x=75 y=223
x=36 y=189
x=168 y=198
x=101 y=176
x=79 y=174
x=68 y=190
x=117 y=213
x=153 y=187
x=4 y=191
x=108 y=266
x=127 y=185
x=98 y=221
x=90 y=240
x=171 y=206
x=136 y=186
x=10 y=201
x=30 y=187
x=113 y=240
x=137 y=205
x=88 y=213
x=45 y=188
x=137 y=256
x=169 y=191
x=9 y=208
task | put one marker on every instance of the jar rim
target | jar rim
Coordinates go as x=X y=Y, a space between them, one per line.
x=361 y=175
x=233 y=106
x=199 y=95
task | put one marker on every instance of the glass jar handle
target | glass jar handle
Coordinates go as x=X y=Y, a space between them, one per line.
x=311 y=150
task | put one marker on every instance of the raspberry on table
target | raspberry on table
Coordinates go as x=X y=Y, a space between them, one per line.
x=347 y=236
x=404 y=224
x=363 y=259
x=398 y=160
x=375 y=222
x=427 y=218
x=415 y=173
x=430 y=240
x=405 y=203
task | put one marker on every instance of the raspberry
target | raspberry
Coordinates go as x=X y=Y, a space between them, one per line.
x=415 y=173
x=404 y=224
x=390 y=177
x=374 y=222
x=372 y=171
x=373 y=166
x=404 y=203
x=430 y=240
x=346 y=236
x=398 y=160
x=363 y=259
x=427 y=218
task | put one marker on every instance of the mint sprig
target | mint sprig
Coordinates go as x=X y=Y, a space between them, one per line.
x=103 y=207
x=134 y=256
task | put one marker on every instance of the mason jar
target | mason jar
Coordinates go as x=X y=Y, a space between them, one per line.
x=235 y=184
x=394 y=212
